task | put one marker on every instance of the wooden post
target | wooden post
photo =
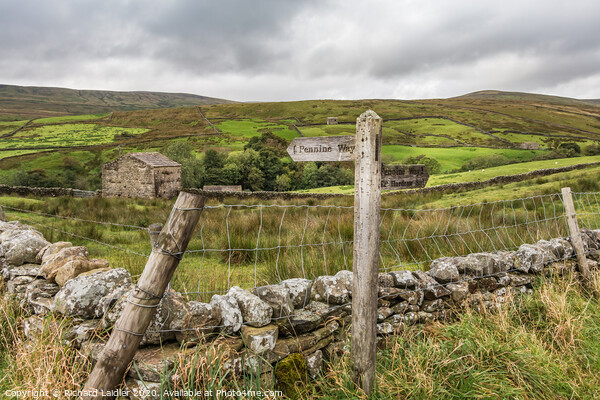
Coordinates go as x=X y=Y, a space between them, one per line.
x=154 y=232
x=367 y=204
x=2 y=216
x=576 y=234
x=141 y=305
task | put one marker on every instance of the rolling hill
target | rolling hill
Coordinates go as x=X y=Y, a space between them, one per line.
x=520 y=96
x=26 y=102
x=499 y=126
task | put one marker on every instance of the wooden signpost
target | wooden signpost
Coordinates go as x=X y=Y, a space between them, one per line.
x=365 y=150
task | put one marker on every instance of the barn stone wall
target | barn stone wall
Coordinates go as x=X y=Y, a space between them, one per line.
x=167 y=181
x=128 y=177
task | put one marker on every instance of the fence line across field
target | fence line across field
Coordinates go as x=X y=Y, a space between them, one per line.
x=253 y=245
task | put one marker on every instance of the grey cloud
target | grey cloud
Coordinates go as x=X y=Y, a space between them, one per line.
x=303 y=46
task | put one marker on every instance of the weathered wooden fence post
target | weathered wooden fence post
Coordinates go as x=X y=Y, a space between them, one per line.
x=367 y=204
x=2 y=216
x=576 y=234
x=154 y=232
x=141 y=305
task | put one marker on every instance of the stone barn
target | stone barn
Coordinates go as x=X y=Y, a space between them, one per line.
x=145 y=175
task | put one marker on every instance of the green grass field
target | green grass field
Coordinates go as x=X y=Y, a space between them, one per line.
x=13 y=153
x=69 y=118
x=429 y=125
x=9 y=126
x=247 y=128
x=67 y=135
x=453 y=158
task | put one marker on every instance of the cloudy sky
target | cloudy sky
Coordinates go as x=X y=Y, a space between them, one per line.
x=272 y=50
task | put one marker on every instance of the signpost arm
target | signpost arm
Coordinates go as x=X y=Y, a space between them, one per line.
x=367 y=204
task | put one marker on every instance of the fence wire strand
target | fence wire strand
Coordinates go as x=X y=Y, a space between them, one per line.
x=255 y=245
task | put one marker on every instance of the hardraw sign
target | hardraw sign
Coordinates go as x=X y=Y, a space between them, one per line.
x=395 y=177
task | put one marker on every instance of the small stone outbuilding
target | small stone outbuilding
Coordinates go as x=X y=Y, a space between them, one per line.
x=332 y=120
x=530 y=146
x=145 y=175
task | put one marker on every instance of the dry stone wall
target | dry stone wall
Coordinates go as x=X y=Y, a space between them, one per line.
x=255 y=329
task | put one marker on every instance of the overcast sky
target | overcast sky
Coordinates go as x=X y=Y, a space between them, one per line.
x=272 y=50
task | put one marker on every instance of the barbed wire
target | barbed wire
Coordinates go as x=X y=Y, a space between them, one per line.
x=83 y=237
x=73 y=218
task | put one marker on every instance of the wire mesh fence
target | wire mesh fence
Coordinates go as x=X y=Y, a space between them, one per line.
x=254 y=245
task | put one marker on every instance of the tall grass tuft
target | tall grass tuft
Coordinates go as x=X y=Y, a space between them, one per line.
x=44 y=364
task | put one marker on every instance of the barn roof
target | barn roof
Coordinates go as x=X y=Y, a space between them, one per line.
x=155 y=159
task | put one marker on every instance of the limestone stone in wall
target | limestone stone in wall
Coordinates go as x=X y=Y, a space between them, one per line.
x=77 y=266
x=403 y=279
x=195 y=320
x=39 y=296
x=48 y=251
x=255 y=312
x=260 y=340
x=560 y=249
x=385 y=280
x=32 y=270
x=80 y=296
x=302 y=321
x=444 y=270
x=532 y=258
x=278 y=297
x=230 y=312
x=21 y=246
x=331 y=290
x=300 y=291
x=53 y=262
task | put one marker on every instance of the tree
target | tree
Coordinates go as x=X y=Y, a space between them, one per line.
x=248 y=162
x=283 y=183
x=255 y=179
x=213 y=168
x=192 y=168
x=309 y=175
x=571 y=146
x=592 y=149
x=268 y=140
x=271 y=166
x=232 y=174
x=433 y=165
